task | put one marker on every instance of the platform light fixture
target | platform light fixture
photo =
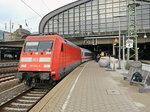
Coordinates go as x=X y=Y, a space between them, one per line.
x=145 y=36
x=115 y=40
x=119 y=54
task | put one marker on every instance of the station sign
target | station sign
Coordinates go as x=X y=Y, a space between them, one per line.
x=129 y=43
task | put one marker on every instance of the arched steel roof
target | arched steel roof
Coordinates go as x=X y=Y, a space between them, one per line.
x=57 y=11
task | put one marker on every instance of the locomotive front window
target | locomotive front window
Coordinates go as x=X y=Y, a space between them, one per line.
x=38 y=46
x=31 y=46
x=45 y=45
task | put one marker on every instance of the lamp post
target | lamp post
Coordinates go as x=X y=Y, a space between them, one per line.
x=119 y=67
x=123 y=53
x=114 y=43
x=119 y=53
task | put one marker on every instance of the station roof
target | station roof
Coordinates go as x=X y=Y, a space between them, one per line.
x=59 y=10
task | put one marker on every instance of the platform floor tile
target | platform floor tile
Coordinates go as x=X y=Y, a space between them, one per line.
x=88 y=88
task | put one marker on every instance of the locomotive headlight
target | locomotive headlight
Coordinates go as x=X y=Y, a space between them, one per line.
x=46 y=66
x=53 y=72
x=23 y=65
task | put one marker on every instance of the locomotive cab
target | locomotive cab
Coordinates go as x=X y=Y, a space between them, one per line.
x=36 y=60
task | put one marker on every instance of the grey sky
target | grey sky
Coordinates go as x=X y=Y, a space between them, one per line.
x=17 y=12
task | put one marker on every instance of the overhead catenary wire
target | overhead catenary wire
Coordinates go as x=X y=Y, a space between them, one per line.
x=15 y=22
x=30 y=8
x=4 y=25
x=45 y=5
x=143 y=0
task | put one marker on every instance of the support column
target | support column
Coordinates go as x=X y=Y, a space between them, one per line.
x=123 y=52
x=0 y=55
x=114 y=52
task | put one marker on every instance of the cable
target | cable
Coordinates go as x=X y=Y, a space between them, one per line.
x=146 y=0
x=45 y=5
x=4 y=24
x=30 y=8
x=143 y=0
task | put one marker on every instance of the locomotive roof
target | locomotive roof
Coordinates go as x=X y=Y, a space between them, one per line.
x=71 y=44
x=47 y=37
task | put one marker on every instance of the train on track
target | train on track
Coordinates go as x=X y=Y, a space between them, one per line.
x=48 y=58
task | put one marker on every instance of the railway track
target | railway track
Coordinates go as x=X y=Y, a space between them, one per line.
x=4 y=65
x=5 y=78
x=8 y=68
x=19 y=98
x=24 y=101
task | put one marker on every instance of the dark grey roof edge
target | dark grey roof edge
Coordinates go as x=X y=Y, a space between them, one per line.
x=57 y=11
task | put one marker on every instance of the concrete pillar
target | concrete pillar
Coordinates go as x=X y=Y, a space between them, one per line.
x=0 y=55
x=114 y=52
x=123 y=52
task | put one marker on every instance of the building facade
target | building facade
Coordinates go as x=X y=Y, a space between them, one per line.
x=93 y=18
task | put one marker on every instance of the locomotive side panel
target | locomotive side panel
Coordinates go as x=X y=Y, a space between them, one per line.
x=70 y=58
x=61 y=61
x=73 y=56
x=56 y=60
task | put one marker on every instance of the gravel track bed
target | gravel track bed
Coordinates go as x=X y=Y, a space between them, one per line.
x=8 y=84
x=25 y=101
x=12 y=92
x=5 y=75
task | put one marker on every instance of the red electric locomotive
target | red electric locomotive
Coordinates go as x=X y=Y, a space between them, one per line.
x=47 y=58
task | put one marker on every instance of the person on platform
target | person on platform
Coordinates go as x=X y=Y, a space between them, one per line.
x=98 y=57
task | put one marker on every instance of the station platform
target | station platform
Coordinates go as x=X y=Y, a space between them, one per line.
x=88 y=88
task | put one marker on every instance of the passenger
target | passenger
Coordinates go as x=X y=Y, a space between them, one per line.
x=98 y=57
x=126 y=55
x=109 y=56
x=109 y=60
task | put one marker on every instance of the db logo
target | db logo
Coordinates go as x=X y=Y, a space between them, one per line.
x=35 y=59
